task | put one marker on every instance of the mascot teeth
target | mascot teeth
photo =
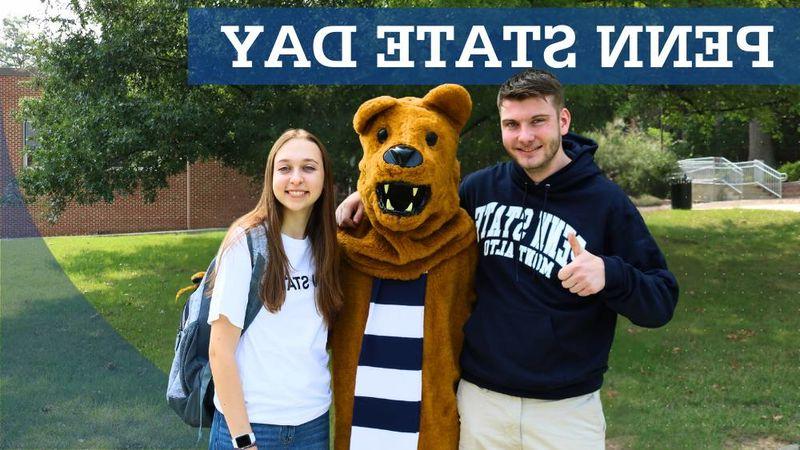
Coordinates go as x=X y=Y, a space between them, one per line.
x=402 y=199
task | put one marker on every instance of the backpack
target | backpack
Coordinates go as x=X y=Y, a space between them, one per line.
x=190 y=390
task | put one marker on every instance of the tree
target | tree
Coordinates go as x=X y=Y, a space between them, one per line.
x=116 y=114
x=16 y=42
x=736 y=122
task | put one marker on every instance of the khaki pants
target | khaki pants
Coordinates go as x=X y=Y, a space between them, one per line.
x=491 y=420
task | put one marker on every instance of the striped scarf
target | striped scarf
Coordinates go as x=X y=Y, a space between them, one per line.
x=388 y=390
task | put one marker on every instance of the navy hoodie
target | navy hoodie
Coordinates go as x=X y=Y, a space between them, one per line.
x=528 y=336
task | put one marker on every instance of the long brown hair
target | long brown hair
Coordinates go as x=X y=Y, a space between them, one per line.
x=321 y=230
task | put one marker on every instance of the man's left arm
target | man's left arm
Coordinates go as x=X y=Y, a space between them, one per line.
x=638 y=284
x=631 y=277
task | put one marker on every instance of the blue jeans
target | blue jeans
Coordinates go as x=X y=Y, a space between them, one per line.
x=312 y=435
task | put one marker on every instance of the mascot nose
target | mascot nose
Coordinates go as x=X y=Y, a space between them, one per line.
x=403 y=156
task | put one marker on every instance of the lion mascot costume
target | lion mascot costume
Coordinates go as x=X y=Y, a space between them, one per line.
x=408 y=274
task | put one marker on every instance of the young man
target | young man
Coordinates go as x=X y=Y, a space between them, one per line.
x=562 y=251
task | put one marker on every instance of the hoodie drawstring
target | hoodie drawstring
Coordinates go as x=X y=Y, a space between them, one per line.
x=544 y=206
x=516 y=254
x=538 y=221
x=546 y=191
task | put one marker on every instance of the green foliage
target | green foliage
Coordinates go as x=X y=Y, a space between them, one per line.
x=116 y=113
x=646 y=200
x=16 y=42
x=633 y=159
x=792 y=170
x=714 y=120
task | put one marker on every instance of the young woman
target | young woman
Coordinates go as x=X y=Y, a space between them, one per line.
x=272 y=385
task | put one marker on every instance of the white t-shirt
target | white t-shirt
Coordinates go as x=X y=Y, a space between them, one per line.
x=282 y=359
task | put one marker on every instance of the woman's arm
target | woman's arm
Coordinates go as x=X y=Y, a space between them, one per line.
x=221 y=352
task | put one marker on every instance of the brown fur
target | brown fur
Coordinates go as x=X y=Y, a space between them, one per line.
x=440 y=240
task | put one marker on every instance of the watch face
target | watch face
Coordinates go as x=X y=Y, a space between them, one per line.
x=243 y=441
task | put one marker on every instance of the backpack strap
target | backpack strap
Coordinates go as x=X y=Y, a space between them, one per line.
x=254 y=304
x=259 y=264
x=204 y=332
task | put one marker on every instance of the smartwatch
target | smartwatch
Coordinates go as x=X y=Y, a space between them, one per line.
x=244 y=441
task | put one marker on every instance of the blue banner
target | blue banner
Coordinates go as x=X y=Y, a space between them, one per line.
x=486 y=46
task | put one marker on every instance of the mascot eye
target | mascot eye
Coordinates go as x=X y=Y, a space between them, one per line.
x=431 y=138
x=382 y=135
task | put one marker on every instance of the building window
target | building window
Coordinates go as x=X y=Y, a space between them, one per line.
x=29 y=144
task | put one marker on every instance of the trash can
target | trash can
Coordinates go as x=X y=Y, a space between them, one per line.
x=681 y=193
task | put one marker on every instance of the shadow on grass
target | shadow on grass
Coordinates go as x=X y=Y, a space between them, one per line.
x=68 y=378
x=131 y=282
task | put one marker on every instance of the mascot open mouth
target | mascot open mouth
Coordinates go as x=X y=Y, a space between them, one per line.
x=402 y=199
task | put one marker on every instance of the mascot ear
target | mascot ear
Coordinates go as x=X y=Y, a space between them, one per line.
x=370 y=109
x=453 y=100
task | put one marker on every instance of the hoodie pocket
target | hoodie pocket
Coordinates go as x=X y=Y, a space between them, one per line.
x=534 y=343
x=513 y=347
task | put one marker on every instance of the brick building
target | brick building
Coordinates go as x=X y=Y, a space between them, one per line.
x=206 y=195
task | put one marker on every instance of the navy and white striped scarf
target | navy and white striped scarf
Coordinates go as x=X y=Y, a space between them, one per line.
x=388 y=390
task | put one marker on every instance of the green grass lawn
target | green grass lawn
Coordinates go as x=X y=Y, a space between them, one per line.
x=132 y=281
x=723 y=373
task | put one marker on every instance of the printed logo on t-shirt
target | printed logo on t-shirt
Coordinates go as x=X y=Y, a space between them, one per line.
x=505 y=231
x=301 y=282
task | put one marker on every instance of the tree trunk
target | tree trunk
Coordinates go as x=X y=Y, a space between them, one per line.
x=760 y=144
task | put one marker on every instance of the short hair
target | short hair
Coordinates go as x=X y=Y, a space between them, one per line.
x=532 y=83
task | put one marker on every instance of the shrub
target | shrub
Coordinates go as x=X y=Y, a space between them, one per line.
x=792 y=170
x=646 y=200
x=634 y=159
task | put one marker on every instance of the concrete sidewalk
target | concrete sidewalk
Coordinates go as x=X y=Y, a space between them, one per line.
x=778 y=204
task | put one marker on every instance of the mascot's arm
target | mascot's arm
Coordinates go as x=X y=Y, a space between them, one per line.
x=448 y=303
x=345 y=346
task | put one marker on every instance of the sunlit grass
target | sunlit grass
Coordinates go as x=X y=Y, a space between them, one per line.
x=132 y=281
x=722 y=373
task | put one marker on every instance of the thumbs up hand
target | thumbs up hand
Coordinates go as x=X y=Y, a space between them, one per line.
x=586 y=274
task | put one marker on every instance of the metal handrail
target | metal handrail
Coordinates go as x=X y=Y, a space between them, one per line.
x=738 y=191
x=776 y=194
x=720 y=170
x=714 y=160
x=762 y=166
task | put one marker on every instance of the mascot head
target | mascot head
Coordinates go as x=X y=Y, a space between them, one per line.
x=409 y=172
